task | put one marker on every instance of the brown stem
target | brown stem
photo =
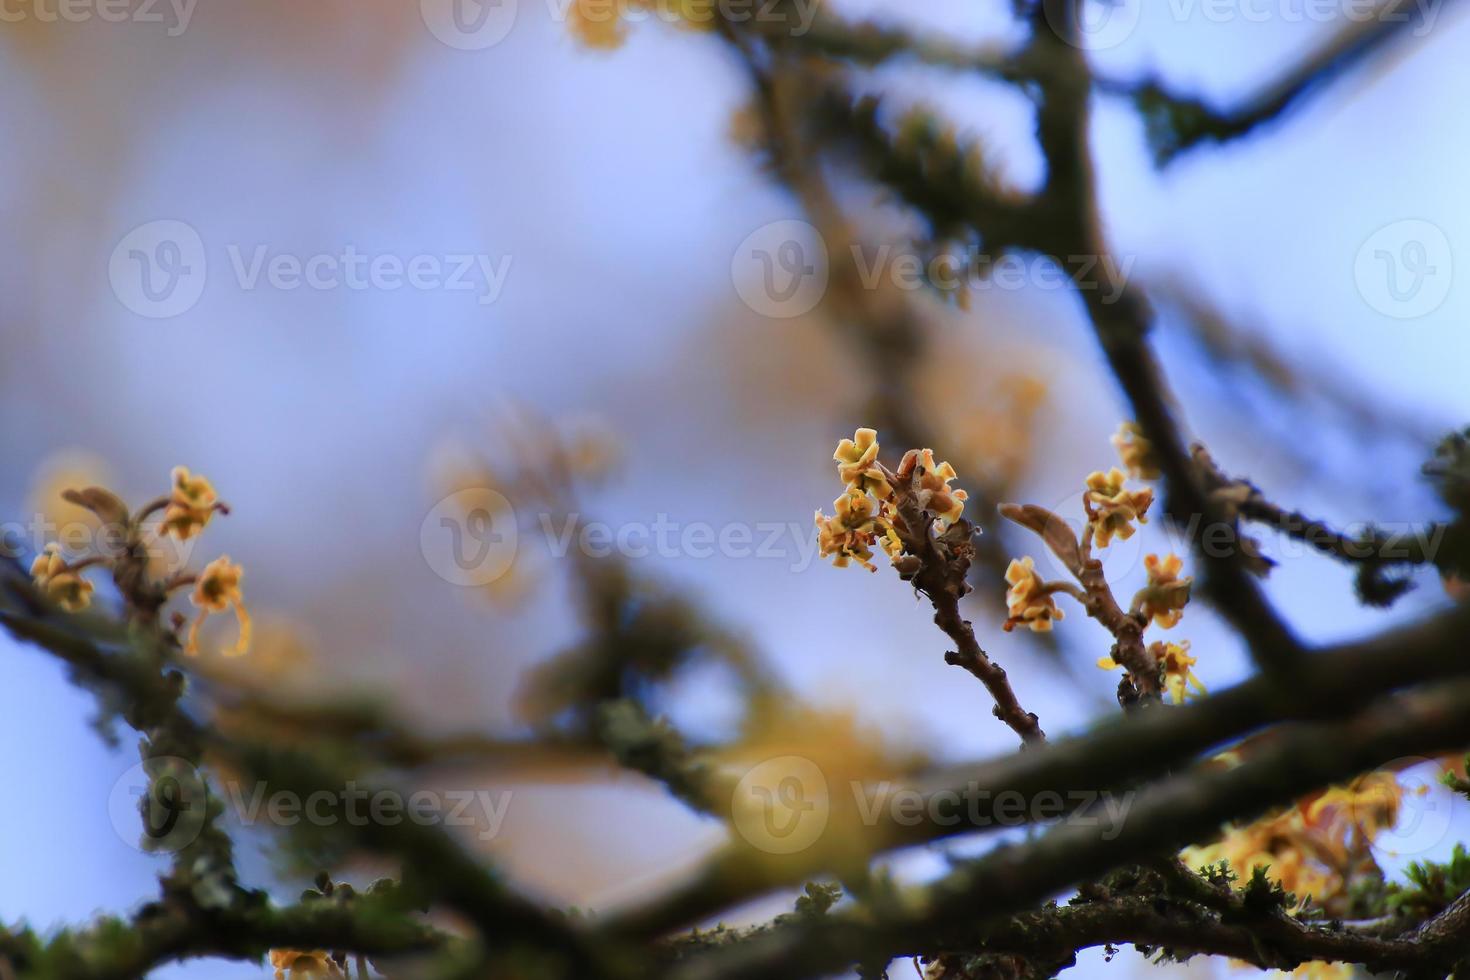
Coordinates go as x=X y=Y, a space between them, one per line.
x=941 y=577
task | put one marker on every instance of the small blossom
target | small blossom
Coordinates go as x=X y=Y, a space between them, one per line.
x=59 y=582
x=857 y=464
x=191 y=504
x=1027 y=601
x=1164 y=598
x=935 y=493
x=1136 y=452
x=303 y=964
x=217 y=590
x=1176 y=663
x=1113 y=507
x=850 y=534
x=888 y=538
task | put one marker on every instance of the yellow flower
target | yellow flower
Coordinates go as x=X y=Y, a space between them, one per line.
x=1316 y=847
x=935 y=493
x=1369 y=804
x=216 y=590
x=1027 y=601
x=302 y=963
x=1136 y=452
x=191 y=504
x=1113 y=508
x=1164 y=598
x=888 y=537
x=1322 y=970
x=60 y=583
x=857 y=464
x=851 y=533
x=1176 y=662
x=597 y=23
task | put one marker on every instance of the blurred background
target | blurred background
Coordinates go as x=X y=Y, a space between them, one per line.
x=582 y=220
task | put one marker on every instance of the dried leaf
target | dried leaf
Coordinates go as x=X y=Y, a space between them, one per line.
x=104 y=503
x=1051 y=528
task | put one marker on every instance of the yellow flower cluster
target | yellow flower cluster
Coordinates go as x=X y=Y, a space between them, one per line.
x=857 y=464
x=935 y=493
x=59 y=582
x=1163 y=600
x=1112 y=507
x=850 y=534
x=1028 y=603
x=189 y=506
x=1319 y=970
x=1178 y=666
x=866 y=512
x=298 y=964
x=1313 y=847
